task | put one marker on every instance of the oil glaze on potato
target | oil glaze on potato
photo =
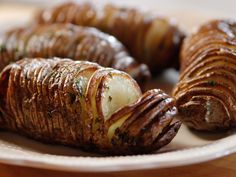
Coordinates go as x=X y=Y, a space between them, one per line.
x=205 y=94
x=82 y=104
x=65 y=40
x=151 y=39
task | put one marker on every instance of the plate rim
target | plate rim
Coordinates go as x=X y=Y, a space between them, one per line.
x=214 y=150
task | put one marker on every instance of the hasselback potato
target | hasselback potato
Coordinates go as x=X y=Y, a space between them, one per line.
x=69 y=41
x=151 y=39
x=206 y=92
x=82 y=104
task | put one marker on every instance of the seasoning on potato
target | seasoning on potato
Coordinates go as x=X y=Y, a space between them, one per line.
x=151 y=39
x=205 y=94
x=69 y=41
x=82 y=104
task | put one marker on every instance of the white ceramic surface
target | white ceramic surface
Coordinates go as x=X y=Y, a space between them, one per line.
x=187 y=148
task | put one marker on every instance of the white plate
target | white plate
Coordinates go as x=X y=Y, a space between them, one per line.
x=187 y=147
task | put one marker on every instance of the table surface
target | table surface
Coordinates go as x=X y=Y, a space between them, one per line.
x=224 y=167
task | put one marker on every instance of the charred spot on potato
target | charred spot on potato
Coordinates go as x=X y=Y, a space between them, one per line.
x=72 y=97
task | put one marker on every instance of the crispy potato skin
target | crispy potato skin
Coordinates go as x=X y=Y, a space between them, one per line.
x=205 y=94
x=51 y=100
x=69 y=41
x=152 y=40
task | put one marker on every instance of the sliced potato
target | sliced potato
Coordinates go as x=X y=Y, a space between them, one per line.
x=67 y=40
x=152 y=39
x=139 y=127
x=205 y=94
x=118 y=90
x=84 y=105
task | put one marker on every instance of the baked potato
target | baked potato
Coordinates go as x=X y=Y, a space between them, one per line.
x=205 y=93
x=82 y=104
x=153 y=40
x=69 y=41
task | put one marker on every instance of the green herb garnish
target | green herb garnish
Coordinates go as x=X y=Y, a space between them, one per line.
x=106 y=87
x=212 y=83
x=97 y=120
x=3 y=48
x=110 y=75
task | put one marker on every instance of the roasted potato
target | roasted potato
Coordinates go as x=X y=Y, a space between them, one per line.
x=82 y=104
x=66 y=40
x=153 y=40
x=205 y=94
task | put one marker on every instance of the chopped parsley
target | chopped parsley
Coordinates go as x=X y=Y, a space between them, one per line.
x=110 y=74
x=106 y=86
x=3 y=48
x=110 y=98
x=212 y=83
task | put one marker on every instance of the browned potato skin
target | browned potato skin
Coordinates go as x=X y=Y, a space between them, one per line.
x=205 y=94
x=40 y=99
x=69 y=41
x=159 y=50
x=150 y=126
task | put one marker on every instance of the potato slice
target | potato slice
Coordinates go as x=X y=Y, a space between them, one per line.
x=140 y=126
x=103 y=86
x=118 y=90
